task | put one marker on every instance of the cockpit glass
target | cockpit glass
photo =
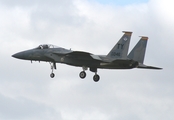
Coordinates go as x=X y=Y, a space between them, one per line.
x=46 y=46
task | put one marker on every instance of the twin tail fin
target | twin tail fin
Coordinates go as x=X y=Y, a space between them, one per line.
x=120 y=50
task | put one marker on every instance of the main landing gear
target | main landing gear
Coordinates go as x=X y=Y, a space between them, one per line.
x=96 y=77
x=53 y=66
x=82 y=74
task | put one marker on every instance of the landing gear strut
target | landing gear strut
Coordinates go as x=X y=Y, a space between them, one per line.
x=53 y=66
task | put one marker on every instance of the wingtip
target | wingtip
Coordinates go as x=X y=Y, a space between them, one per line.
x=127 y=33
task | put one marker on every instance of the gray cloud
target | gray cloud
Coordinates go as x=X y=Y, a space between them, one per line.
x=23 y=108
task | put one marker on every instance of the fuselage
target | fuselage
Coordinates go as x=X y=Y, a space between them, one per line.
x=61 y=55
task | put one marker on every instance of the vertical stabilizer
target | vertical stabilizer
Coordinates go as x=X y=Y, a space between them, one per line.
x=138 y=52
x=120 y=50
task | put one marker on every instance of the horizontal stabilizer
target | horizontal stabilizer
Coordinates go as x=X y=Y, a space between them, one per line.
x=142 y=66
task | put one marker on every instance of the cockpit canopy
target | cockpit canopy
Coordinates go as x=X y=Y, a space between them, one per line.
x=46 y=46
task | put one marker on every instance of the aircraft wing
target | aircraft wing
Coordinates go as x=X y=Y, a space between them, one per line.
x=147 y=67
x=81 y=55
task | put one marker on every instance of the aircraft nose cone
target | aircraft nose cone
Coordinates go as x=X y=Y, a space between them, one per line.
x=19 y=55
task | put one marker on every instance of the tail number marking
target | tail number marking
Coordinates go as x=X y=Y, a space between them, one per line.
x=115 y=54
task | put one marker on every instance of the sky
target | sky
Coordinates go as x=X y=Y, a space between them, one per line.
x=28 y=93
x=119 y=2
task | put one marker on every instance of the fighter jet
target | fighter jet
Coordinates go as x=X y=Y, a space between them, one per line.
x=115 y=59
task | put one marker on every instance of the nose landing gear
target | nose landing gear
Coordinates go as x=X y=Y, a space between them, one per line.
x=53 y=66
x=52 y=75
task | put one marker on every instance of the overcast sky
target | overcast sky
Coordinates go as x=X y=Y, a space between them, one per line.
x=28 y=93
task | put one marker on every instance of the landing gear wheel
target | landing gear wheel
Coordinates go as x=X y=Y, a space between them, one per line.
x=82 y=74
x=96 y=78
x=52 y=75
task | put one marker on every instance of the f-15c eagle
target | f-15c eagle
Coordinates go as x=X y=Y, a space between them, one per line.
x=117 y=58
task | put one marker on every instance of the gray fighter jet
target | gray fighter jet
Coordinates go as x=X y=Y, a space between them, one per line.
x=115 y=59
